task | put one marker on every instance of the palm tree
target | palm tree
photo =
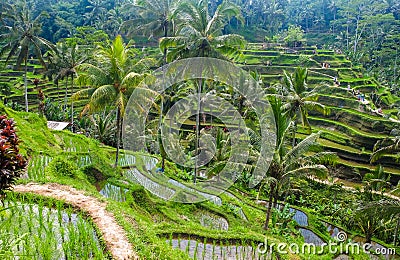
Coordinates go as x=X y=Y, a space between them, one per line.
x=156 y=17
x=386 y=146
x=385 y=209
x=294 y=161
x=201 y=35
x=298 y=100
x=111 y=81
x=22 y=34
x=63 y=61
x=97 y=11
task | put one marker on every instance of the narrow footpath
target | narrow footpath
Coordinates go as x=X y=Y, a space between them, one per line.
x=113 y=234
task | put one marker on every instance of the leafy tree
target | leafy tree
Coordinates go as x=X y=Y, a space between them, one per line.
x=111 y=81
x=298 y=100
x=294 y=36
x=201 y=36
x=22 y=34
x=201 y=33
x=156 y=18
x=385 y=209
x=370 y=223
x=63 y=61
x=11 y=162
x=294 y=161
x=376 y=181
x=103 y=126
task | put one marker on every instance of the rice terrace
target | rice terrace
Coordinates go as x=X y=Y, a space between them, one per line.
x=194 y=129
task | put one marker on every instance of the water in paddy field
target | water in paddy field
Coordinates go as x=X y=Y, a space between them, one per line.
x=149 y=162
x=36 y=167
x=213 y=221
x=300 y=217
x=332 y=229
x=126 y=160
x=310 y=237
x=201 y=250
x=48 y=233
x=155 y=188
x=114 y=192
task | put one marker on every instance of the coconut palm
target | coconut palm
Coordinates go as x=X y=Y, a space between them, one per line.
x=385 y=209
x=111 y=81
x=290 y=161
x=298 y=99
x=201 y=35
x=156 y=17
x=21 y=35
x=63 y=61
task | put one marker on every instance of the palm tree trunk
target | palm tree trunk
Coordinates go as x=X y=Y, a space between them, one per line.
x=165 y=35
x=118 y=136
x=268 y=214
x=66 y=94
x=26 y=83
x=72 y=104
x=396 y=231
x=159 y=137
x=199 y=88
x=275 y=204
x=294 y=133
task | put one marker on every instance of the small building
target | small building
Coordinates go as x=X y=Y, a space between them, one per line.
x=54 y=125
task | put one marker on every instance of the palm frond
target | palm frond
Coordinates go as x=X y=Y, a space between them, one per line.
x=301 y=148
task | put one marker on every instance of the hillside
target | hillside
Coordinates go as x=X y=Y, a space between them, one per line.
x=229 y=224
x=352 y=127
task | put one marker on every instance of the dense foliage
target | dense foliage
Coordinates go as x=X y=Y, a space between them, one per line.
x=94 y=54
x=11 y=162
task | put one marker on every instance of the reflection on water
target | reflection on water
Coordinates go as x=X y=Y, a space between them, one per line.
x=200 y=250
x=310 y=237
x=213 y=221
x=155 y=188
x=300 y=217
x=114 y=192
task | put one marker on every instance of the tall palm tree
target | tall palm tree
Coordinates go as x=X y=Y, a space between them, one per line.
x=290 y=161
x=111 y=80
x=298 y=99
x=63 y=61
x=156 y=17
x=385 y=209
x=201 y=35
x=21 y=35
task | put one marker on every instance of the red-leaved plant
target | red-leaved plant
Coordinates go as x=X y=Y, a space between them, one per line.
x=11 y=162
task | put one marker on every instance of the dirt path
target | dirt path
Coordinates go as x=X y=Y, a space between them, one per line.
x=113 y=234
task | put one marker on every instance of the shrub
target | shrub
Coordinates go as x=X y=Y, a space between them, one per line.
x=11 y=162
x=60 y=166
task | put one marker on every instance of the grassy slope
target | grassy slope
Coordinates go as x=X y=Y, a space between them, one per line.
x=147 y=219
